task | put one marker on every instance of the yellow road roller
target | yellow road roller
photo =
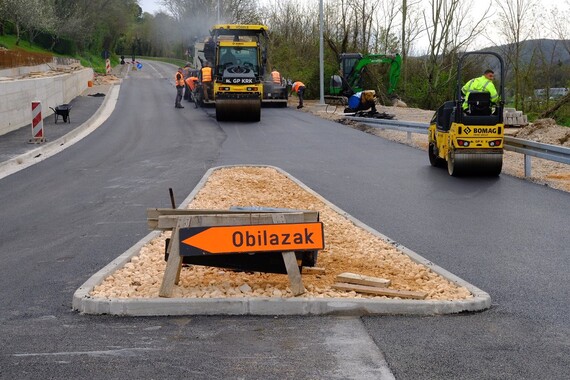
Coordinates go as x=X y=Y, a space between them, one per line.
x=467 y=134
x=238 y=85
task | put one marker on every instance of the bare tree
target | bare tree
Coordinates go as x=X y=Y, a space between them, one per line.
x=339 y=28
x=559 y=24
x=449 y=30
x=411 y=26
x=193 y=19
x=517 y=22
x=385 y=39
x=561 y=29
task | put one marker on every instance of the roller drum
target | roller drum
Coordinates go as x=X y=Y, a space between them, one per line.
x=471 y=163
x=238 y=109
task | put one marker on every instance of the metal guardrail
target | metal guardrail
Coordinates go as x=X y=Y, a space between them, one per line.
x=526 y=147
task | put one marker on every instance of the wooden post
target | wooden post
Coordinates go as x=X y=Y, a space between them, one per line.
x=290 y=261
x=174 y=263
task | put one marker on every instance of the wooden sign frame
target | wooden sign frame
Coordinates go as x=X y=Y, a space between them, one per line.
x=164 y=218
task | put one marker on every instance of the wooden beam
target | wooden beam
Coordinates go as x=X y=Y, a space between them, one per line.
x=359 y=279
x=313 y=270
x=380 y=291
x=174 y=263
x=295 y=280
x=167 y=220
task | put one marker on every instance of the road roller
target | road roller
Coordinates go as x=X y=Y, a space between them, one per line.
x=238 y=71
x=466 y=135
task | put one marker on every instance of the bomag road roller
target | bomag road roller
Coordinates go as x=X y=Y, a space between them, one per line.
x=467 y=134
x=237 y=71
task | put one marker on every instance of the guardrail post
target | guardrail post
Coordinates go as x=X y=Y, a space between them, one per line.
x=409 y=137
x=527 y=165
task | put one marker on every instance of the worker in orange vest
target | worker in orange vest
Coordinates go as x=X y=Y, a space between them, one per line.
x=191 y=82
x=275 y=77
x=206 y=74
x=299 y=88
x=179 y=80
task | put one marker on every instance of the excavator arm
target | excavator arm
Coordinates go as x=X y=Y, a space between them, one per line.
x=353 y=65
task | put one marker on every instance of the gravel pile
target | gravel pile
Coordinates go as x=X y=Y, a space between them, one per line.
x=348 y=248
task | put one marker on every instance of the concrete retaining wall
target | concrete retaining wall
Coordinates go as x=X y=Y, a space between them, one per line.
x=16 y=96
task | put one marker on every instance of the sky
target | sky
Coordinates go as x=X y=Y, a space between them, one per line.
x=150 y=6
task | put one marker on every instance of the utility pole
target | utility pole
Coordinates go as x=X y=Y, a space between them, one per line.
x=321 y=55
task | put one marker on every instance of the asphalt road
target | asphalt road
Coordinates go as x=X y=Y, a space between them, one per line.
x=65 y=218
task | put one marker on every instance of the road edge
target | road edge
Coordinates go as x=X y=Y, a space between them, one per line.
x=51 y=148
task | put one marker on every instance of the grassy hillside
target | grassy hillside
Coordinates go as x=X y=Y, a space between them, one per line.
x=87 y=59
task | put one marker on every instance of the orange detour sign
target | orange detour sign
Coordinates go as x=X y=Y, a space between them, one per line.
x=197 y=241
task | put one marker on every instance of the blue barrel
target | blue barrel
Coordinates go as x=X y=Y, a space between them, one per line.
x=354 y=100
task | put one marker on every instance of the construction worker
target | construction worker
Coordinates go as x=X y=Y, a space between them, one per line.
x=191 y=81
x=179 y=80
x=206 y=74
x=299 y=88
x=276 y=77
x=361 y=101
x=483 y=83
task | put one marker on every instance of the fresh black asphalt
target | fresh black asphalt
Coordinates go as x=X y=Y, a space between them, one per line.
x=65 y=218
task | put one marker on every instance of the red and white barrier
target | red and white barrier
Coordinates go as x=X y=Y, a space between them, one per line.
x=108 y=66
x=37 y=122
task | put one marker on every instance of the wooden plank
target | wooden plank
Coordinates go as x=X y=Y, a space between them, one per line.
x=313 y=270
x=164 y=222
x=380 y=291
x=359 y=279
x=295 y=280
x=174 y=263
x=154 y=213
x=168 y=222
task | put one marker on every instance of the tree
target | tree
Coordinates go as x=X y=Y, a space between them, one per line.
x=31 y=16
x=411 y=26
x=517 y=21
x=449 y=30
x=193 y=19
x=560 y=28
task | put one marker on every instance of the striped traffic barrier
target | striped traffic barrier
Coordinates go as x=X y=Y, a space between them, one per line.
x=108 y=66
x=37 y=123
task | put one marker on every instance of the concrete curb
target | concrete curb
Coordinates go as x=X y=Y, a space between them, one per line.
x=86 y=304
x=53 y=147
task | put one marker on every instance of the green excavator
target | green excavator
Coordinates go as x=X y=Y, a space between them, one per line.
x=352 y=67
x=349 y=82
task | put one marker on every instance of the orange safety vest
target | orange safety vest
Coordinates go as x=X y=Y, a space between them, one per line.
x=296 y=86
x=191 y=82
x=206 y=74
x=276 y=77
x=179 y=79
